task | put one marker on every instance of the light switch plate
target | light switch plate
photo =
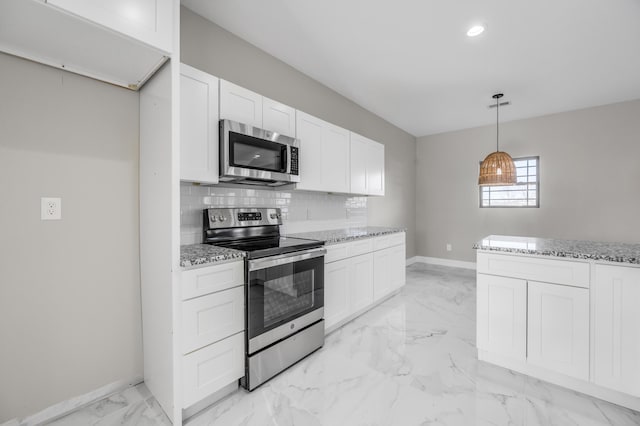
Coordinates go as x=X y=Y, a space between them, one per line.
x=50 y=208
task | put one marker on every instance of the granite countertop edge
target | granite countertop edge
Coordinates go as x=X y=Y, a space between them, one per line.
x=197 y=255
x=596 y=251
x=343 y=235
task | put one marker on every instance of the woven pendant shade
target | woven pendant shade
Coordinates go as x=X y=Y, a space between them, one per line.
x=497 y=169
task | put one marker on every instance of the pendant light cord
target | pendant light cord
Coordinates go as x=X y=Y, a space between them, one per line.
x=497 y=124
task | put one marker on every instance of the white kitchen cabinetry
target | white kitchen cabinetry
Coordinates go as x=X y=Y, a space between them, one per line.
x=502 y=315
x=366 y=166
x=616 y=331
x=198 y=126
x=389 y=271
x=558 y=328
x=324 y=155
x=212 y=329
x=123 y=43
x=361 y=281
x=149 y=21
x=240 y=104
x=248 y=107
x=336 y=292
x=573 y=323
x=361 y=273
x=278 y=117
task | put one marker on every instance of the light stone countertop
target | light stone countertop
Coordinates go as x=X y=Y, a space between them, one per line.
x=574 y=249
x=202 y=254
x=336 y=236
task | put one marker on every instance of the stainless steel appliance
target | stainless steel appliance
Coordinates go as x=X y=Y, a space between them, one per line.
x=284 y=288
x=257 y=156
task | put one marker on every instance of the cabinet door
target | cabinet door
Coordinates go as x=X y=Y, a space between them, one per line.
x=616 y=331
x=278 y=117
x=361 y=282
x=358 y=164
x=398 y=266
x=198 y=126
x=309 y=130
x=150 y=21
x=382 y=273
x=209 y=369
x=213 y=317
x=502 y=315
x=240 y=104
x=558 y=328
x=336 y=292
x=335 y=159
x=375 y=168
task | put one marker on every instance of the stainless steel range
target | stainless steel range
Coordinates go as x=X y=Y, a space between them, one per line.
x=284 y=288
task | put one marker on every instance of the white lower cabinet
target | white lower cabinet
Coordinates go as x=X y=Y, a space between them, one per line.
x=616 y=332
x=361 y=281
x=213 y=317
x=336 y=292
x=502 y=315
x=356 y=276
x=574 y=323
x=212 y=331
x=211 y=368
x=389 y=270
x=558 y=329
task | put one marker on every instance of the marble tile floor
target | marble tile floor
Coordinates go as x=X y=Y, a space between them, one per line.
x=409 y=361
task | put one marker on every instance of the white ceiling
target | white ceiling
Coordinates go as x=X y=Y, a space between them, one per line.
x=410 y=61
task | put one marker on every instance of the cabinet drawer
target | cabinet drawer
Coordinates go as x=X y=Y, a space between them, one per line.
x=209 y=369
x=359 y=247
x=336 y=252
x=532 y=268
x=213 y=317
x=388 y=241
x=198 y=282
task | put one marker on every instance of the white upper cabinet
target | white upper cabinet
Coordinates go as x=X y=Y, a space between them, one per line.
x=149 y=21
x=198 y=126
x=278 y=117
x=240 y=104
x=94 y=38
x=615 y=295
x=324 y=155
x=244 y=106
x=367 y=166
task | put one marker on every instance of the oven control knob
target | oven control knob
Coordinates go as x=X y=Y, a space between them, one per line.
x=212 y=218
x=222 y=218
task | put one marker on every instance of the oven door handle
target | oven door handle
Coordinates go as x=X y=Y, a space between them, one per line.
x=269 y=262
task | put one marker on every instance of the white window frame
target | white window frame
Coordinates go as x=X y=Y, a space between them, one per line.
x=482 y=189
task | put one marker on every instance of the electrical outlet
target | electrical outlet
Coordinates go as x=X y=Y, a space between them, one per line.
x=449 y=247
x=50 y=208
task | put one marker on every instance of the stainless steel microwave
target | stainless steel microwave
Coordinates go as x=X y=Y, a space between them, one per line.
x=256 y=156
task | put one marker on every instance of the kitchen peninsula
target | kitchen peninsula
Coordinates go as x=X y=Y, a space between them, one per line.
x=563 y=311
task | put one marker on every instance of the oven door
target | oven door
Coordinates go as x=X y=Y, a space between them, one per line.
x=285 y=294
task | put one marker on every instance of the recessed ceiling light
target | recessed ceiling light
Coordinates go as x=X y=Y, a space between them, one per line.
x=476 y=30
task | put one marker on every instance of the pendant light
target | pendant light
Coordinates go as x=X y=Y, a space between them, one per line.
x=498 y=168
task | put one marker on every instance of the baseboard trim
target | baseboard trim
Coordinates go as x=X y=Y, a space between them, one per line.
x=63 y=408
x=442 y=262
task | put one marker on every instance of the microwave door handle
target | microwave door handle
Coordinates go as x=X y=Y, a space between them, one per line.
x=286 y=160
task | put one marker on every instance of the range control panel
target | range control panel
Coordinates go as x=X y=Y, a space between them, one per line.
x=244 y=216
x=241 y=217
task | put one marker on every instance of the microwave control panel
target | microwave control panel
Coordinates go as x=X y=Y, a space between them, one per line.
x=294 y=160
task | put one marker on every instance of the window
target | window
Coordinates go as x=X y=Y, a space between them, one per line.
x=525 y=193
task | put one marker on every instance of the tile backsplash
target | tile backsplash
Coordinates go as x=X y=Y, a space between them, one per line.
x=301 y=211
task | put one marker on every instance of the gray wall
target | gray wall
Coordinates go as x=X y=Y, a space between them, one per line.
x=70 y=292
x=210 y=48
x=589 y=180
